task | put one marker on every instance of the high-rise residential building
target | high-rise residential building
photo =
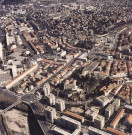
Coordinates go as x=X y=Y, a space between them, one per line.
x=99 y=122
x=60 y=105
x=50 y=99
x=46 y=89
x=50 y=114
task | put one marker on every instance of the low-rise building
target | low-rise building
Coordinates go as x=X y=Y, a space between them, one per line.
x=70 y=84
x=114 y=131
x=104 y=100
x=128 y=120
x=83 y=57
x=21 y=76
x=117 y=118
x=95 y=131
x=5 y=78
x=74 y=116
x=116 y=90
x=33 y=47
x=91 y=113
x=58 y=131
x=69 y=123
x=62 y=53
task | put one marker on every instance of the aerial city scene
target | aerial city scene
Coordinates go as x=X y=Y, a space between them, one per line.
x=65 y=67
